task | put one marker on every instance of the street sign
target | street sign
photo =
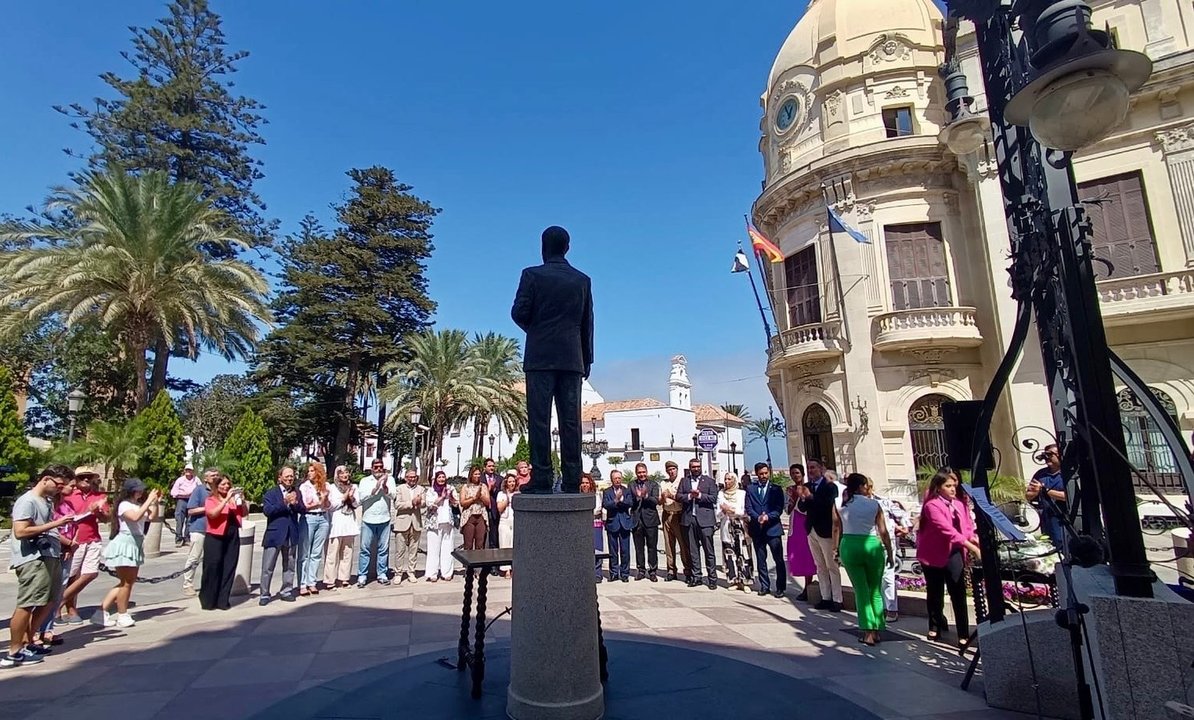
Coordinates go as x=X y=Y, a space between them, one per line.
x=707 y=440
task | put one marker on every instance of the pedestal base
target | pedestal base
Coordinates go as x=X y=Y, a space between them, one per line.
x=1142 y=647
x=1007 y=677
x=554 y=655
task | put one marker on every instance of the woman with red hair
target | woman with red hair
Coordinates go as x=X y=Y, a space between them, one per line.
x=313 y=531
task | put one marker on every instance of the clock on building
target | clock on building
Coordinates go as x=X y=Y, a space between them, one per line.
x=786 y=116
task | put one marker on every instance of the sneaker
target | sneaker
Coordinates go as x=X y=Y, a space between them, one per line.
x=361 y=582
x=71 y=620
x=38 y=649
x=189 y=591
x=125 y=620
x=103 y=619
x=383 y=581
x=29 y=657
x=12 y=661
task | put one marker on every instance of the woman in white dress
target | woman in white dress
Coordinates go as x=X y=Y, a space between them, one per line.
x=505 y=508
x=342 y=536
x=731 y=506
x=440 y=530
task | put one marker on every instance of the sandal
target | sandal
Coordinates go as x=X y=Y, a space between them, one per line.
x=934 y=634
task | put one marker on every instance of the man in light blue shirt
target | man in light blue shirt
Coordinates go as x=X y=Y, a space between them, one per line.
x=375 y=493
x=197 y=528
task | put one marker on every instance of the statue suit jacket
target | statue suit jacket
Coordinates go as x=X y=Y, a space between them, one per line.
x=405 y=516
x=706 y=504
x=554 y=306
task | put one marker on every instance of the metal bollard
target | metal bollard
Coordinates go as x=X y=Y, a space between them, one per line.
x=243 y=581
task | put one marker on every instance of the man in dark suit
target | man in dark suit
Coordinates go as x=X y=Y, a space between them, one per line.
x=617 y=501
x=818 y=506
x=698 y=496
x=282 y=506
x=554 y=306
x=765 y=508
x=644 y=511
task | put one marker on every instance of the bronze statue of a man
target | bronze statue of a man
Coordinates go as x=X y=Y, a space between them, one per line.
x=554 y=306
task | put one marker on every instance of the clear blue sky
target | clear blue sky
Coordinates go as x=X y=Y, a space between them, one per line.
x=634 y=125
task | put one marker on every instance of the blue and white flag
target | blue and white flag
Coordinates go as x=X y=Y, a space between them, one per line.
x=740 y=263
x=836 y=224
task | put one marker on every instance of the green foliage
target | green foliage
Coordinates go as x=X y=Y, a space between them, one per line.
x=615 y=460
x=522 y=452
x=1000 y=488
x=14 y=448
x=781 y=478
x=176 y=113
x=135 y=256
x=118 y=446
x=248 y=456
x=165 y=443
x=209 y=413
x=736 y=409
x=353 y=295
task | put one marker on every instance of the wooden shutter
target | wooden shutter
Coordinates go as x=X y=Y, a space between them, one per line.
x=804 y=291
x=916 y=264
x=1123 y=232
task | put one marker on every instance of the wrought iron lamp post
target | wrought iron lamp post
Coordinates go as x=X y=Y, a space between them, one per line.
x=415 y=417
x=491 y=439
x=74 y=403
x=1067 y=84
x=595 y=448
x=734 y=458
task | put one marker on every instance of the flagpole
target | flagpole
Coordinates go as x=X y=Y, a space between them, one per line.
x=754 y=288
x=837 y=268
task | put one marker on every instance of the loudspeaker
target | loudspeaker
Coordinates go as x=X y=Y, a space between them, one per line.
x=960 y=419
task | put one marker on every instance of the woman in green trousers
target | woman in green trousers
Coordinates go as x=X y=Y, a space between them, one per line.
x=861 y=537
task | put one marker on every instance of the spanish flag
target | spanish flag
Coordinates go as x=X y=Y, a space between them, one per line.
x=762 y=245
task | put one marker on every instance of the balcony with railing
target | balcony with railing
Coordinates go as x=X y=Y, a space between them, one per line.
x=1147 y=298
x=925 y=328
x=805 y=343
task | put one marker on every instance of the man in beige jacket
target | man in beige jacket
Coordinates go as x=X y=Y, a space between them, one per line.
x=407 y=526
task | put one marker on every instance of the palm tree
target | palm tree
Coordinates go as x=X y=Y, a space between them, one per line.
x=501 y=372
x=116 y=445
x=442 y=380
x=131 y=257
x=764 y=429
x=736 y=409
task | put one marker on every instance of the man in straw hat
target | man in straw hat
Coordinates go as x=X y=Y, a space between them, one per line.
x=90 y=506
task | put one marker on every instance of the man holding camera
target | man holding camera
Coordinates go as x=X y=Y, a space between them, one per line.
x=37 y=560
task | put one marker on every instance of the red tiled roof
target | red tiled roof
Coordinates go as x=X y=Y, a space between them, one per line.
x=598 y=410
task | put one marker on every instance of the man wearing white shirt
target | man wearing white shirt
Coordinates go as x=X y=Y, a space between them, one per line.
x=375 y=493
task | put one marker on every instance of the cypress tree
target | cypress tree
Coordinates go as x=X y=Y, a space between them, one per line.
x=165 y=443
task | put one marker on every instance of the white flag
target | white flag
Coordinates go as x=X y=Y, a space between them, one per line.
x=740 y=263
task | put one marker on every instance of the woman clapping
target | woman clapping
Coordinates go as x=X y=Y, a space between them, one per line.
x=225 y=510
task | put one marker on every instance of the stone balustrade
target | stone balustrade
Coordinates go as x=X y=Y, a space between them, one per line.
x=937 y=327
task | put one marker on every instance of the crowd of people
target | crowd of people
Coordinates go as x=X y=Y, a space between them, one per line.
x=337 y=534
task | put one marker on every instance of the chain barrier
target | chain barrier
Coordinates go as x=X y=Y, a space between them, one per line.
x=155 y=580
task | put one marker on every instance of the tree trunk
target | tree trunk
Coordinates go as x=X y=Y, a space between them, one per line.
x=161 y=360
x=137 y=348
x=381 y=423
x=344 y=427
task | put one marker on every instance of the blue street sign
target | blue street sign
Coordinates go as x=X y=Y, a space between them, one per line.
x=707 y=440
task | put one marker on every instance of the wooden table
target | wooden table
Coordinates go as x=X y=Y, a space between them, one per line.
x=472 y=654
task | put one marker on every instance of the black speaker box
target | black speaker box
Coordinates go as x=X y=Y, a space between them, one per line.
x=960 y=418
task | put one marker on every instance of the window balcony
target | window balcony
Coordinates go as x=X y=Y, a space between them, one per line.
x=1147 y=298
x=806 y=343
x=927 y=328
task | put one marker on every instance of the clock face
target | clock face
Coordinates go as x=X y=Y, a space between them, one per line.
x=787 y=114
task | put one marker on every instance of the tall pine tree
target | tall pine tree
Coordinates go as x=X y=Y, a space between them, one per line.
x=351 y=295
x=177 y=113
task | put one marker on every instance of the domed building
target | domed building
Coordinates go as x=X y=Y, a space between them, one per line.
x=880 y=326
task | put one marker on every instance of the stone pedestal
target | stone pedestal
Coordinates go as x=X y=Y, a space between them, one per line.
x=554 y=664
x=242 y=583
x=1007 y=673
x=1143 y=648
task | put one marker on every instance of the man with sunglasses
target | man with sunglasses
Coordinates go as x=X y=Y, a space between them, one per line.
x=375 y=493
x=1049 y=482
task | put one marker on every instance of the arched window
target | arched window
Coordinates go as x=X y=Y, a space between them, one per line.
x=927 y=429
x=818 y=435
x=1146 y=446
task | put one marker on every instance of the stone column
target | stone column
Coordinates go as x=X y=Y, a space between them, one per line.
x=1178 y=146
x=554 y=664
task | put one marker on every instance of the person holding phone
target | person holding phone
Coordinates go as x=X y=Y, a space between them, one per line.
x=125 y=555
x=225 y=509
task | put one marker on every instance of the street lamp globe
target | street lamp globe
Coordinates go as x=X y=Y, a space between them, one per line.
x=74 y=401
x=1077 y=92
x=415 y=417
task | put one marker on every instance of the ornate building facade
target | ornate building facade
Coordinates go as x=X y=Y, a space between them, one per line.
x=874 y=337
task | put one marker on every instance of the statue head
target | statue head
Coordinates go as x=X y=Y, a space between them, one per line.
x=555 y=243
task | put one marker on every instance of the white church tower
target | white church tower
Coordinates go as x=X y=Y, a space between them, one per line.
x=679 y=389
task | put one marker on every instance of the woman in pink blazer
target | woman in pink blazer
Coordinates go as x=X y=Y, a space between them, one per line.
x=945 y=538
